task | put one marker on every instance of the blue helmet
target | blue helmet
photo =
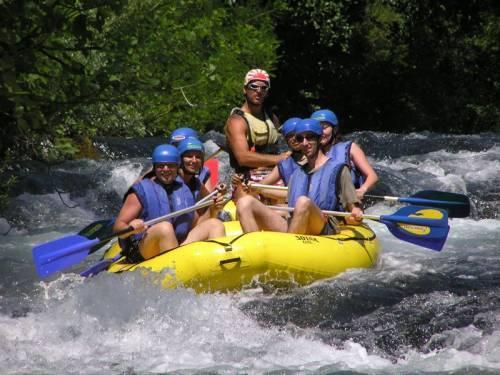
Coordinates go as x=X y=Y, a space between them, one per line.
x=190 y=144
x=166 y=154
x=325 y=115
x=181 y=134
x=289 y=125
x=309 y=125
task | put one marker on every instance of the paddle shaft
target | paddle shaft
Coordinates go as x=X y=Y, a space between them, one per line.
x=414 y=200
x=457 y=205
x=161 y=218
x=392 y=218
x=269 y=187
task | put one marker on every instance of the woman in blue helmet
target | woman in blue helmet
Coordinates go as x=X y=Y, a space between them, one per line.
x=363 y=175
x=321 y=184
x=284 y=169
x=192 y=152
x=156 y=196
x=179 y=135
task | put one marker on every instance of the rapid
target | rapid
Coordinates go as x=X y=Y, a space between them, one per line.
x=417 y=311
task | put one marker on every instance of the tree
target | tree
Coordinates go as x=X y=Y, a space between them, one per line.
x=402 y=65
x=73 y=69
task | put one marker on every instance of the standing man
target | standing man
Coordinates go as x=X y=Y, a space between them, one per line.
x=251 y=129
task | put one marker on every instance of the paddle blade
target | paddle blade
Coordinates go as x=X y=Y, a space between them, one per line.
x=60 y=254
x=98 y=229
x=403 y=232
x=213 y=165
x=426 y=227
x=457 y=205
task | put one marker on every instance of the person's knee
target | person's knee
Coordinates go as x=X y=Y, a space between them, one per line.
x=162 y=229
x=244 y=204
x=303 y=205
x=216 y=226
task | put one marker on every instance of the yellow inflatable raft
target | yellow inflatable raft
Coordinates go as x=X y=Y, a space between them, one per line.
x=235 y=261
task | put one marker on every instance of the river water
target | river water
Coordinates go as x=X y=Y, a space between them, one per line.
x=417 y=311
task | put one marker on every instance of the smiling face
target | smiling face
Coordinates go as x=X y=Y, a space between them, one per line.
x=256 y=92
x=192 y=161
x=166 y=172
x=309 y=143
x=292 y=142
x=328 y=133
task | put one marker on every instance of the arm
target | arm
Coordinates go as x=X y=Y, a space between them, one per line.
x=348 y=197
x=128 y=215
x=236 y=135
x=359 y=159
x=270 y=179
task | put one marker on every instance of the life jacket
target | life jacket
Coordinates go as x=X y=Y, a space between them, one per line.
x=286 y=168
x=341 y=153
x=204 y=174
x=194 y=186
x=156 y=202
x=260 y=135
x=321 y=186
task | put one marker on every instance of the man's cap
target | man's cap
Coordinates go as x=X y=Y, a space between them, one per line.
x=257 y=75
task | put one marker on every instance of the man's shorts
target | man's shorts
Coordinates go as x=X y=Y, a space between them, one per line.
x=130 y=249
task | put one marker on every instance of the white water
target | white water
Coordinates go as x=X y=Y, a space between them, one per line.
x=433 y=311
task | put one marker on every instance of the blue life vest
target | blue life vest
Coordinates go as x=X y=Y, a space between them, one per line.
x=286 y=168
x=194 y=186
x=156 y=202
x=341 y=153
x=321 y=186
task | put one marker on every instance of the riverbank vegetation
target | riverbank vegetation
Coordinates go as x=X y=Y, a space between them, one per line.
x=71 y=70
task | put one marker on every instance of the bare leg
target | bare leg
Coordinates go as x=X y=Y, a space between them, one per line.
x=159 y=238
x=307 y=218
x=255 y=216
x=210 y=228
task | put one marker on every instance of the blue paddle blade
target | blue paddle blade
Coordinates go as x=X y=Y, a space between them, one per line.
x=62 y=253
x=98 y=229
x=436 y=242
x=423 y=226
x=457 y=205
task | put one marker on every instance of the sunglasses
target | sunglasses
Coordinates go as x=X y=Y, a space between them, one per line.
x=166 y=165
x=255 y=87
x=309 y=137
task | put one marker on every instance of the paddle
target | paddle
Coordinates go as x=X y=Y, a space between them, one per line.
x=457 y=205
x=426 y=227
x=67 y=251
x=100 y=228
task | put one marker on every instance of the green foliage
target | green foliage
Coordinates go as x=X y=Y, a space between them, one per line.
x=75 y=69
x=44 y=48
x=403 y=65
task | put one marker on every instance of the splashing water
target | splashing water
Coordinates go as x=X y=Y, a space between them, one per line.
x=417 y=311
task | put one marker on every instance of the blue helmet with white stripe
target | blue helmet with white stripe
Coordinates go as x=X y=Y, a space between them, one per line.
x=181 y=134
